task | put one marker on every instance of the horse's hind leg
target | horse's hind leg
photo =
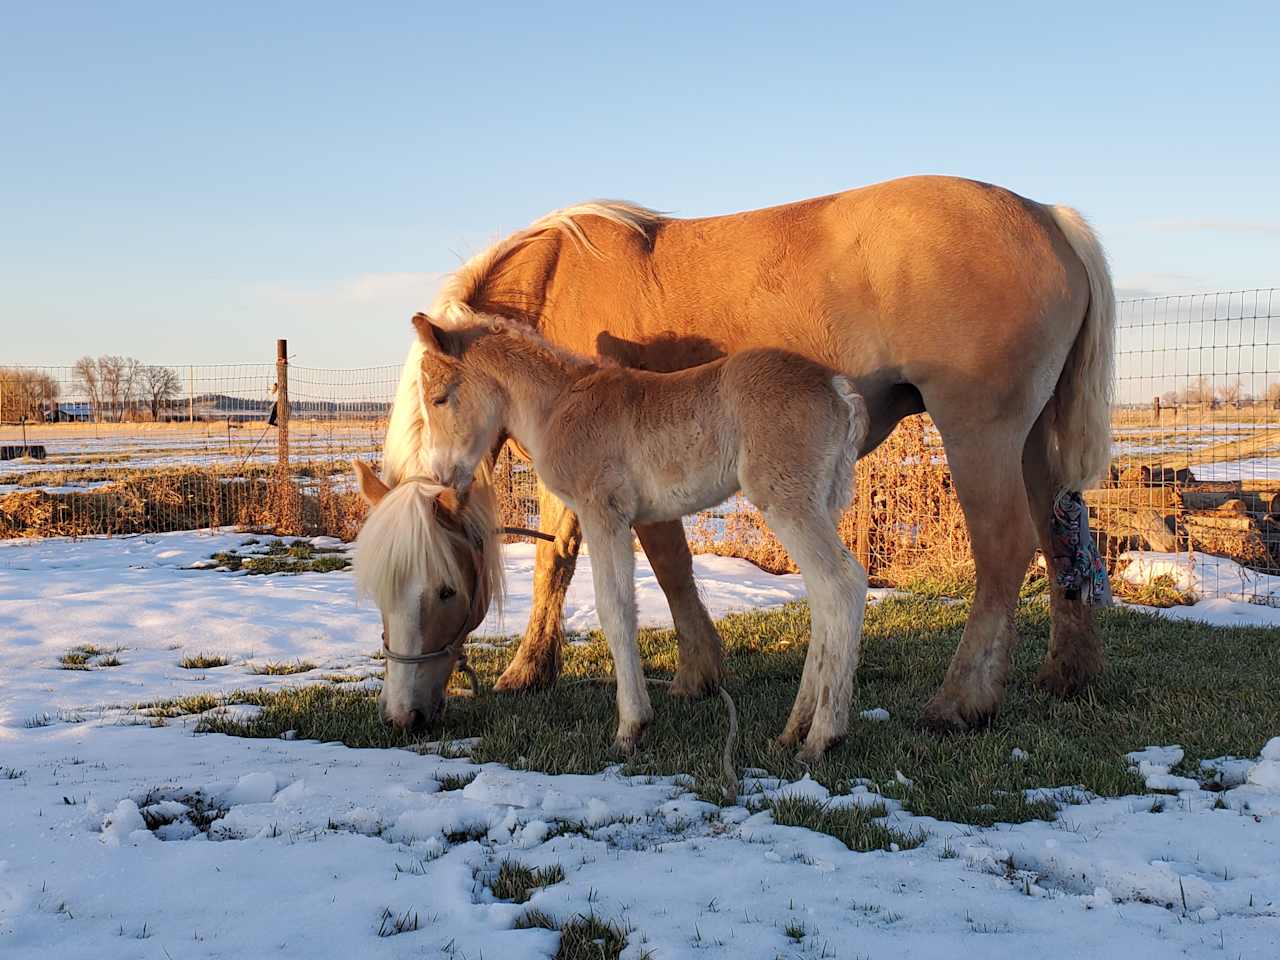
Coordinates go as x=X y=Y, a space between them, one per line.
x=1075 y=652
x=613 y=565
x=836 y=585
x=986 y=467
x=699 y=670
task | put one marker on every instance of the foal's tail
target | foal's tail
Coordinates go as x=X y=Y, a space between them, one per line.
x=1080 y=410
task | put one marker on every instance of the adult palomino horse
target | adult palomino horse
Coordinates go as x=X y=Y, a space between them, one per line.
x=433 y=564
x=627 y=446
x=990 y=311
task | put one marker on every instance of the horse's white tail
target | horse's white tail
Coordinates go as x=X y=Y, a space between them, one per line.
x=1081 y=415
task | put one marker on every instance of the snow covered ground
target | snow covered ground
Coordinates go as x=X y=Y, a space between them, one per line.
x=306 y=847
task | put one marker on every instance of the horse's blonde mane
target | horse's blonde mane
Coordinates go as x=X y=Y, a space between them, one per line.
x=401 y=455
x=453 y=303
x=404 y=542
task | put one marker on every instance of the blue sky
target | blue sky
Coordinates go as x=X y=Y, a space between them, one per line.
x=186 y=185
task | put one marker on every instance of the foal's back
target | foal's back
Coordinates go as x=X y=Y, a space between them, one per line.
x=765 y=421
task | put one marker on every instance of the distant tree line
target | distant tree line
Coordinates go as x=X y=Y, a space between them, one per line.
x=26 y=393
x=122 y=388
x=1231 y=393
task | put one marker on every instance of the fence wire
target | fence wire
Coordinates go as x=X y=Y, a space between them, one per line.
x=1191 y=509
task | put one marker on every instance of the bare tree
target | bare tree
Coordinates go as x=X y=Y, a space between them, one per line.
x=130 y=386
x=1273 y=394
x=1199 y=390
x=159 y=384
x=111 y=373
x=85 y=376
x=1232 y=392
x=1169 y=398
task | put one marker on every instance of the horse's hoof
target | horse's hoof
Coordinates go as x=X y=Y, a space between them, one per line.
x=520 y=677
x=942 y=715
x=1061 y=680
x=694 y=686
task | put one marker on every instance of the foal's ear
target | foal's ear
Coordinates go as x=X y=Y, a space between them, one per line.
x=433 y=337
x=371 y=486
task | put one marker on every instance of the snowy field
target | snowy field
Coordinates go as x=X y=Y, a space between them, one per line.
x=312 y=850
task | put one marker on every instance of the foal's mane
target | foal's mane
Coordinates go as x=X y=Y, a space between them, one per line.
x=407 y=540
x=402 y=452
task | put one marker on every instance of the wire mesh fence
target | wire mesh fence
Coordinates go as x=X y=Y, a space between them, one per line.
x=1191 y=509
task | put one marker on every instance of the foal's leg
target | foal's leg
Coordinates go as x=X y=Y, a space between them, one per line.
x=836 y=585
x=986 y=467
x=613 y=566
x=1075 y=652
x=699 y=670
x=537 y=661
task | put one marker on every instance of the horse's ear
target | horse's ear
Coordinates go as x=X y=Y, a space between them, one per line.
x=371 y=486
x=432 y=336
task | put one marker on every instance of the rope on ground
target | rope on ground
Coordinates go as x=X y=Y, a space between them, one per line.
x=731 y=737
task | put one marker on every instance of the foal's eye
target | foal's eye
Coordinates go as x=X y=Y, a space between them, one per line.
x=440 y=400
x=447 y=593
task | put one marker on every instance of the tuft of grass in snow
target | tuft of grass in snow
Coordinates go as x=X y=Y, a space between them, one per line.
x=39 y=720
x=203 y=661
x=11 y=773
x=1161 y=591
x=1160 y=672
x=457 y=781
x=517 y=883
x=279 y=668
x=392 y=924
x=858 y=828
x=588 y=937
x=533 y=919
x=88 y=657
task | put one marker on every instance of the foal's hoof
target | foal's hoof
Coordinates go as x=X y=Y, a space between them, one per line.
x=816 y=747
x=628 y=739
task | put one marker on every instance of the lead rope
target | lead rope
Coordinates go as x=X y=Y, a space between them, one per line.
x=729 y=771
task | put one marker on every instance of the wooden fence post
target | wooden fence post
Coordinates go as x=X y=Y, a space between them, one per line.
x=286 y=507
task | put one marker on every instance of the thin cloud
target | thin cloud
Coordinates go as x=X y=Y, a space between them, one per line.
x=393 y=288
x=1268 y=228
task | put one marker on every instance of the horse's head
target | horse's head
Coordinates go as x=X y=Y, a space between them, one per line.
x=431 y=561
x=461 y=406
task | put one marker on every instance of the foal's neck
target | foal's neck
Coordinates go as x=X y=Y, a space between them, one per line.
x=535 y=377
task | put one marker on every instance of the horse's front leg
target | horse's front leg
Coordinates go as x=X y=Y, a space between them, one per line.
x=613 y=564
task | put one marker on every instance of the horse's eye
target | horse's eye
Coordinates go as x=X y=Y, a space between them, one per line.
x=440 y=401
x=446 y=593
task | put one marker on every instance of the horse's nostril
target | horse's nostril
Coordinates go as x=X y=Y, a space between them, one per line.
x=416 y=720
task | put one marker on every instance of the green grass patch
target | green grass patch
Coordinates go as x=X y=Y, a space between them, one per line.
x=517 y=883
x=277 y=556
x=1211 y=690
x=203 y=661
x=858 y=828
x=281 y=669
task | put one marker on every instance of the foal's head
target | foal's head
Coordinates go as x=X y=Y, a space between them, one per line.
x=461 y=405
x=432 y=562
